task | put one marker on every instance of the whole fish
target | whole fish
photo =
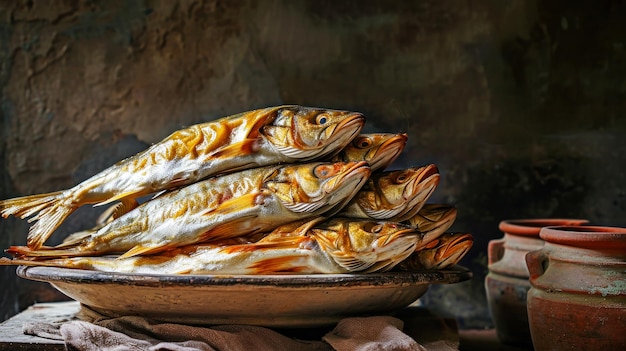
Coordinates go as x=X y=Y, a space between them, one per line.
x=441 y=253
x=336 y=246
x=227 y=206
x=394 y=195
x=378 y=149
x=432 y=221
x=283 y=134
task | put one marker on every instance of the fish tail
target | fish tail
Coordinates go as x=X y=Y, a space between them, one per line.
x=47 y=210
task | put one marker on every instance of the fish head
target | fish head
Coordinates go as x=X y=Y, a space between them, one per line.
x=304 y=133
x=441 y=253
x=365 y=245
x=398 y=195
x=433 y=220
x=377 y=149
x=318 y=187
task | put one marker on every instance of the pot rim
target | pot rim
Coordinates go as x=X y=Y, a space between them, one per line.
x=591 y=237
x=532 y=226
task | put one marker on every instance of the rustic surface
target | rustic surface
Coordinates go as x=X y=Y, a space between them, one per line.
x=11 y=335
x=519 y=103
x=12 y=338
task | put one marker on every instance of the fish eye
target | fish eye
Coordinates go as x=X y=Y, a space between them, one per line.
x=321 y=119
x=323 y=171
x=401 y=178
x=377 y=228
x=363 y=143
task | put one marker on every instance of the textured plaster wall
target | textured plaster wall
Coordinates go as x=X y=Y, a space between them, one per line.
x=520 y=103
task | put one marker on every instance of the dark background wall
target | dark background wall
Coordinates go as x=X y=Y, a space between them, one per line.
x=520 y=103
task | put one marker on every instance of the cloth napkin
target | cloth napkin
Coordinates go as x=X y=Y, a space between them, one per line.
x=92 y=331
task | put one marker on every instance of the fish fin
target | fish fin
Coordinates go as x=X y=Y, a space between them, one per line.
x=139 y=250
x=353 y=263
x=116 y=211
x=304 y=207
x=107 y=216
x=286 y=229
x=121 y=196
x=303 y=229
x=47 y=210
x=81 y=263
x=228 y=230
x=75 y=238
x=5 y=261
x=236 y=149
x=382 y=266
x=235 y=204
x=297 y=228
x=48 y=252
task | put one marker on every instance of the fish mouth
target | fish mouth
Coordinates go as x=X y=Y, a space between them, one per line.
x=352 y=180
x=451 y=253
x=337 y=138
x=396 y=248
x=353 y=120
x=418 y=191
x=389 y=151
x=425 y=181
x=437 y=226
x=447 y=216
x=338 y=181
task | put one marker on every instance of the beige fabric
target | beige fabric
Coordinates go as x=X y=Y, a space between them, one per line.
x=92 y=331
x=371 y=334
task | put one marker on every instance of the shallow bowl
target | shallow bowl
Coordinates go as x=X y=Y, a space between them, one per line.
x=265 y=300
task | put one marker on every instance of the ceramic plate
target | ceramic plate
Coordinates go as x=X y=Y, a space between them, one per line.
x=265 y=300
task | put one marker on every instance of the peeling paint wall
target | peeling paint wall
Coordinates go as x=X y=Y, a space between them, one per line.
x=520 y=103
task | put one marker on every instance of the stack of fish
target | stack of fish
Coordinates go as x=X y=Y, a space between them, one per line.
x=286 y=189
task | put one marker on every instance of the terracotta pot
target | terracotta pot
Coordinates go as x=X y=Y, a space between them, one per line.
x=577 y=299
x=507 y=283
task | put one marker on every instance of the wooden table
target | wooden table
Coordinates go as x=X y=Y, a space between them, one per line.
x=12 y=337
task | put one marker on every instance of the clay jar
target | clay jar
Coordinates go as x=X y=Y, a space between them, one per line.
x=577 y=299
x=507 y=283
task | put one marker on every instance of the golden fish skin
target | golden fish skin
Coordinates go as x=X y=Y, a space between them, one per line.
x=441 y=253
x=432 y=221
x=365 y=245
x=282 y=134
x=308 y=247
x=377 y=149
x=293 y=256
x=236 y=204
x=394 y=195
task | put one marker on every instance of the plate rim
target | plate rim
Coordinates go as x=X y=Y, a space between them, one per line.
x=452 y=275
